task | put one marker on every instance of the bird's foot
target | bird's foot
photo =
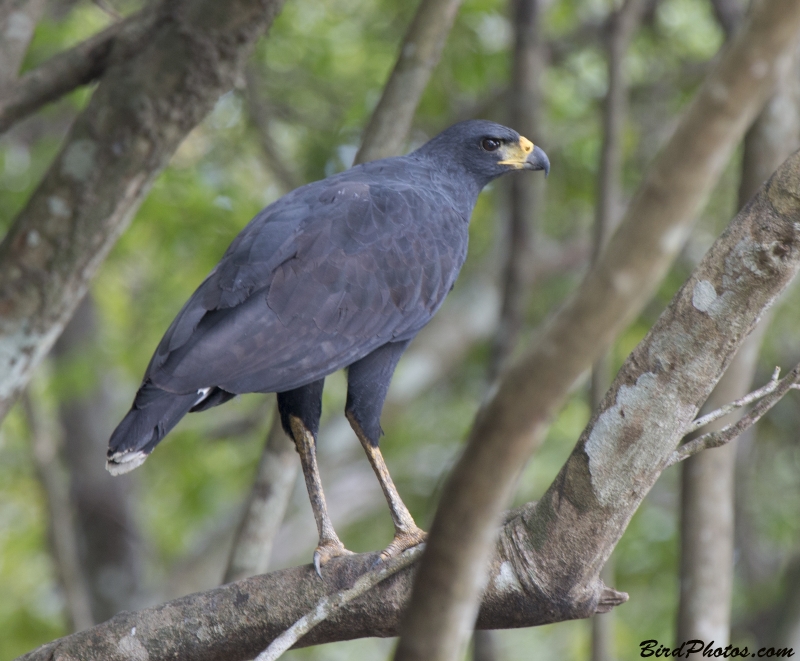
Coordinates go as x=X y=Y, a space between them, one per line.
x=403 y=540
x=327 y=549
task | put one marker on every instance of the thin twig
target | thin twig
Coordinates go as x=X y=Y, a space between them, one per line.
x=737 y=404
x=726 y=434
x=330 y=603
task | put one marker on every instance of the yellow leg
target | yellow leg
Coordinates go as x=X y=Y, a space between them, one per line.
x=329 y=544
x=406 y=534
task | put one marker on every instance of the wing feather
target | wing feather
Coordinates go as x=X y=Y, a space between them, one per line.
x=313 y=283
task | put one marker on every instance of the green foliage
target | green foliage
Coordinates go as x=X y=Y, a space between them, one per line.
x=322 y=69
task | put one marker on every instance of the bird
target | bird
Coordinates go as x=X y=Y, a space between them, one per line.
x=339 y=273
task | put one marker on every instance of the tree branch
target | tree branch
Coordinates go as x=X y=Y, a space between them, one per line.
x=512 y=423
x=328 y=605
x=68 y=70
x=419 y=53
x=715 y=439
x=236 y=621
x=722 y=411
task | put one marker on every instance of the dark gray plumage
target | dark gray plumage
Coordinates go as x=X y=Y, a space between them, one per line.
x=321 y=279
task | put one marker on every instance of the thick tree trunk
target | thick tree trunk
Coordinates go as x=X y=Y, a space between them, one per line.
x=115 y=149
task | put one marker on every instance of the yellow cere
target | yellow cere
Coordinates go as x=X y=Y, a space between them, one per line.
x=516 y=154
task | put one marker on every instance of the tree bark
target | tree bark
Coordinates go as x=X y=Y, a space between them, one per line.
x=512 y=423
x=546 y=563
x=115 y=149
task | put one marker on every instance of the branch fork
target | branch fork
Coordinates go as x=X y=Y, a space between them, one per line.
x=769 y=395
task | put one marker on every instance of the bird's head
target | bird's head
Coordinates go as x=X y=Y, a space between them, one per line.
x=486 y=150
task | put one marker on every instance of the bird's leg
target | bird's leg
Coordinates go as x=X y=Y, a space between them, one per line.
x=367 y=384
x=300 y=411
x=329 y=544
x=406 y=532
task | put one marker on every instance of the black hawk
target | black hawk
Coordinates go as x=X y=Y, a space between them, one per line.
x=341 y=273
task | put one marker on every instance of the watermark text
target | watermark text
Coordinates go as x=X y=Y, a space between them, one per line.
x=700 y=649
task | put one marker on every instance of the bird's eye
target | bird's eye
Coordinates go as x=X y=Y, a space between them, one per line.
x=489 y=144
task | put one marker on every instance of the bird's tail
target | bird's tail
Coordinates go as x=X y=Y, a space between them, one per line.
x=153 y=414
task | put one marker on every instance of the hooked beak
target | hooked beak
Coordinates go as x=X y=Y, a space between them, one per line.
x=537 y=160
x=525 y=156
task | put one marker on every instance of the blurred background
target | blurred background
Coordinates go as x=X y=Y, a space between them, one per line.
x=297 y=116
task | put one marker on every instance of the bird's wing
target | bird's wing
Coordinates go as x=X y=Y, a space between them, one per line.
x=313 y=285
x=247 y=265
